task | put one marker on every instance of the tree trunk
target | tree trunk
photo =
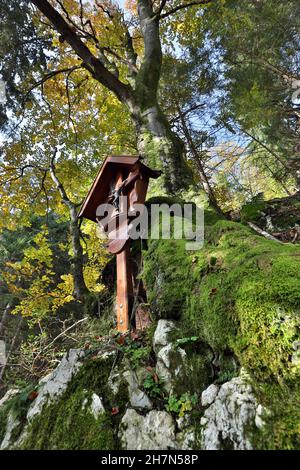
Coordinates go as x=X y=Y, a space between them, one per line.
x=80 y=289
x=4 y=319
x=156 y=142
x=161 y=148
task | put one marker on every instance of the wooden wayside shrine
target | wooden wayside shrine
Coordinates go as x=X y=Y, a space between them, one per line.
x=128 y=177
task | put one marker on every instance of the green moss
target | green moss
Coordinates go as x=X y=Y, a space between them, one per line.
x=246 y=301
x=67 y=424
x=198 y=373
x=252 y=211
x=3 y=421
x=164 y=152
x=159 y=272
x=211 y=217
x=282 y=425
x=17 y=406
x=152 y=149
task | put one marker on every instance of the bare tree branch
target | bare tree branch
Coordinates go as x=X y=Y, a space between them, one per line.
x=65 y=199
x=263 y=233
x=189 y=110
x=48 y=76
x=105 y=10
x=42 y=188
x=70 y=113
x=84 y=33
x=48 y=106
x=183 y=6
x=62 y=334
x=91 y=62
x=161 y=7
x=22 y=170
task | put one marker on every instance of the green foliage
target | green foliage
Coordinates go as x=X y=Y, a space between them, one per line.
x=225 y=376
x=136 y=352
x=138 y=356
x=29 y=54
x=34 y=262
x=252 y=211
x=154 y=386
x=181 y=405
x=184 y=341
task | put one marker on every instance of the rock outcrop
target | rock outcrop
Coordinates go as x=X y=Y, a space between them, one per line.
x=232 y=413
x=108 y=397
x=57 y=382
x=156 y=430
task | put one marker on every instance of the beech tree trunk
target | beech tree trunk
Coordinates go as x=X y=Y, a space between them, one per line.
x=80 y=289
x=156 y=142
x=161 y=148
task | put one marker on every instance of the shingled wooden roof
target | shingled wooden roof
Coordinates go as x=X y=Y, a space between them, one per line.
x=101 y=186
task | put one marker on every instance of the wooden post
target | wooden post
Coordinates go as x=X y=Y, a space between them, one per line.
x=124 y=289
x=124 y=280
x=121 y=181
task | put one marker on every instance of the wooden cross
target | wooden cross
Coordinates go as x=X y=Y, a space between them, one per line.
x=121 y=182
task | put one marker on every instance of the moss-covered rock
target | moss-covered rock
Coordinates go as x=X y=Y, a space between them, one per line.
x=13 y=411
x=233 y=410
x=71 y=420
x=275 y=216
x=182 y=369
x=240 y=294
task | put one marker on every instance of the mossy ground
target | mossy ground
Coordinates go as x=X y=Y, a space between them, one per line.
x=66 y=424
x=240 y=293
